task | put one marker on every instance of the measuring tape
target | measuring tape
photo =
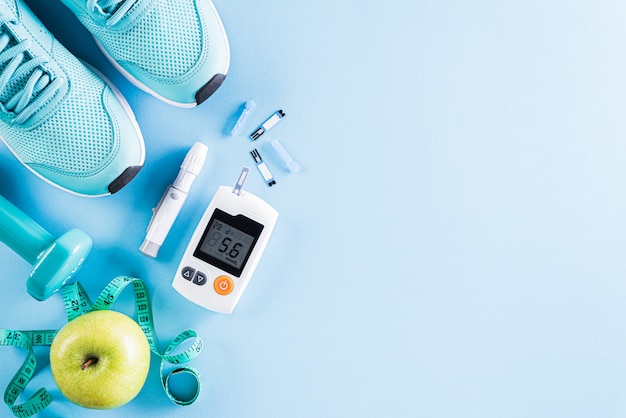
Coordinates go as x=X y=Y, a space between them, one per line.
x=26 y=340
x=78 y=303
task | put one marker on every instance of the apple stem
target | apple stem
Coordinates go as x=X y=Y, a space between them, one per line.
x=89 y=362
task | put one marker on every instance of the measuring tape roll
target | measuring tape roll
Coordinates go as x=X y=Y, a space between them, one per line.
x=77 y=302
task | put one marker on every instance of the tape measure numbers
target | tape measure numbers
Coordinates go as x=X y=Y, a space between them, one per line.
x=76 y=303
x=26 y=340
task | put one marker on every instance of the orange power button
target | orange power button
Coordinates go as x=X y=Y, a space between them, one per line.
x=223 y=285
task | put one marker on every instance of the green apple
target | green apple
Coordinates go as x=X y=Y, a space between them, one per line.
x=100 y=360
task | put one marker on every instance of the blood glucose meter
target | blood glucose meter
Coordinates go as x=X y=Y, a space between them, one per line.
x=225 y=249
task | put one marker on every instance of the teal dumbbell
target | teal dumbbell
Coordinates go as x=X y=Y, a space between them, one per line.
x=54 y=261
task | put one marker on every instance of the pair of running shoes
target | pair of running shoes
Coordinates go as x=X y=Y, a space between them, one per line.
x=68 y=125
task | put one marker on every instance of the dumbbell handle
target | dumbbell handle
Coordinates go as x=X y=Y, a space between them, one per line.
x=54 y=260
x=23 y=235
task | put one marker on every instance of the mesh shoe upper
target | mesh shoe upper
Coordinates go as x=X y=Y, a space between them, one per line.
x=169 y=48
x=84 y=147
x=58 y=117
x=181 y=37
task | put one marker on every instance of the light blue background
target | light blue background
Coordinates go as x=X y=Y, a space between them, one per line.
x=454 y=246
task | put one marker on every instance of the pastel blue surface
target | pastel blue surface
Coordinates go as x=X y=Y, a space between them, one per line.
x=454 y=246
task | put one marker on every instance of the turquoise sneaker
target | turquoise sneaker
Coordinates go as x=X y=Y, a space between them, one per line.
x=60 y=119
x=175 y=50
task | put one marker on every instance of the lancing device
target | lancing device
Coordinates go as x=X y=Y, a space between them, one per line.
x=167 y=210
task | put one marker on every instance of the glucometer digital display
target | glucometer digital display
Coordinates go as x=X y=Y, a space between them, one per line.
x=225 y=248
x=228 y=241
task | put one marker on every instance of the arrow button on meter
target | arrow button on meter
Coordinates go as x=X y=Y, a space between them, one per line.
x=188 y=272
x=199 y=278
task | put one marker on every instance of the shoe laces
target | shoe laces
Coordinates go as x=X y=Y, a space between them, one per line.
x=25 y=86
x=114 y=9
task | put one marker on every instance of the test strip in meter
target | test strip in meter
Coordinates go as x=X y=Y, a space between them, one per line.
x=267 y=125
x=263 y=169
